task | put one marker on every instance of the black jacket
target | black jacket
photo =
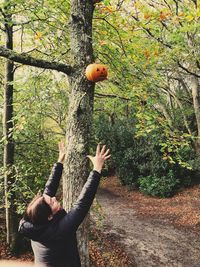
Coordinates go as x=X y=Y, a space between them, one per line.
x=54 y=244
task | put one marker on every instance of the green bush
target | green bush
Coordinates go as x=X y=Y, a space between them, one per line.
x=119 y=138
x=133 y=158
x=164 y=186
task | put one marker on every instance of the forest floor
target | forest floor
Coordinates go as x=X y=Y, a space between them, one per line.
x=147 y=231
x=133 y=230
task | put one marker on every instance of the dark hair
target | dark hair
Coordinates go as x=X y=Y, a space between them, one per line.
x=38 y=210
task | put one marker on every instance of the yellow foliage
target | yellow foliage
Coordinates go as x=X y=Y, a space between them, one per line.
x=198 y=12
x=147 y=16
x=181 y=14
x=189 y=17
x=136 y=4
x=103 y=42
x=38 y=36
x=107 y=9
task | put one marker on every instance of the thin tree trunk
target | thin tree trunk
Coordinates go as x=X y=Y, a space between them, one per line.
x=11 y=223
x=79 y=114
x=196 y=102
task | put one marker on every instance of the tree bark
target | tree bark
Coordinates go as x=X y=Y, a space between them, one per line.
x=79 y=114
x=25 y=59
x=8 y=161
x=196 y=102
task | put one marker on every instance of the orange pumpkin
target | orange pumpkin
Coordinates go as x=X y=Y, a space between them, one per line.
x=96 y=72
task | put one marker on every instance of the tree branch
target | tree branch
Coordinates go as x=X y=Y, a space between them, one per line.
x=1 y=11
x=110 y=96
x=178 y=101
x=157 y=38
x=190 y=72
x=168 y=5
x=25 y=59
x=120 y=39
x=119 y=4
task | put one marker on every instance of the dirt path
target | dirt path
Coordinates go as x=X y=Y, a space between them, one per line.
x=153 y=242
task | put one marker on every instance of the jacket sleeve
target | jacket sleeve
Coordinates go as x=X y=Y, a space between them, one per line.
x=52 y=184
x=76 y=215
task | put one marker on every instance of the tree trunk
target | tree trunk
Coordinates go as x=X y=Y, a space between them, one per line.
x=79 y=114
x=196 y=102
x=11 y=223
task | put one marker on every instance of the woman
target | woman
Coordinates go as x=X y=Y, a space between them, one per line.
x=51 y=229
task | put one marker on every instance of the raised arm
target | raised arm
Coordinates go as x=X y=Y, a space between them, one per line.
x=81 y=207
x=52 y=184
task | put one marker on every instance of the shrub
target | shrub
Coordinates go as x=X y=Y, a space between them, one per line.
x=164 y=186
x=133 y=158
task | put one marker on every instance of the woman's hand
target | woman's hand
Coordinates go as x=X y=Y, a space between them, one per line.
x=101 y=156
x=61 y=156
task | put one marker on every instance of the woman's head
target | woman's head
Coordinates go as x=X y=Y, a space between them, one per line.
x=42 y=208
x=38 y=211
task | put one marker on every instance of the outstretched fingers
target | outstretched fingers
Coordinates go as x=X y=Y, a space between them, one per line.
x=103 y=150
x=106 y=153
x=98 y=149
x=107 y=157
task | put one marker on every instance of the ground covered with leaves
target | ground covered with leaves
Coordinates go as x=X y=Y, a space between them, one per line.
x=106 y=251
x=151 y=231
x=183 y=209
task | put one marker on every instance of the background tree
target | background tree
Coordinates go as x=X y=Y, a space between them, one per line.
x=8 y=158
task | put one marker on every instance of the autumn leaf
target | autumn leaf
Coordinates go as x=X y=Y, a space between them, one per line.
x=162 y=16
x=103 y=42
x=181 y=14
x=38 y=36
x=107 y=9
x=189 y=17
x=147 y=54
x=155 y=53
x=147 y=16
